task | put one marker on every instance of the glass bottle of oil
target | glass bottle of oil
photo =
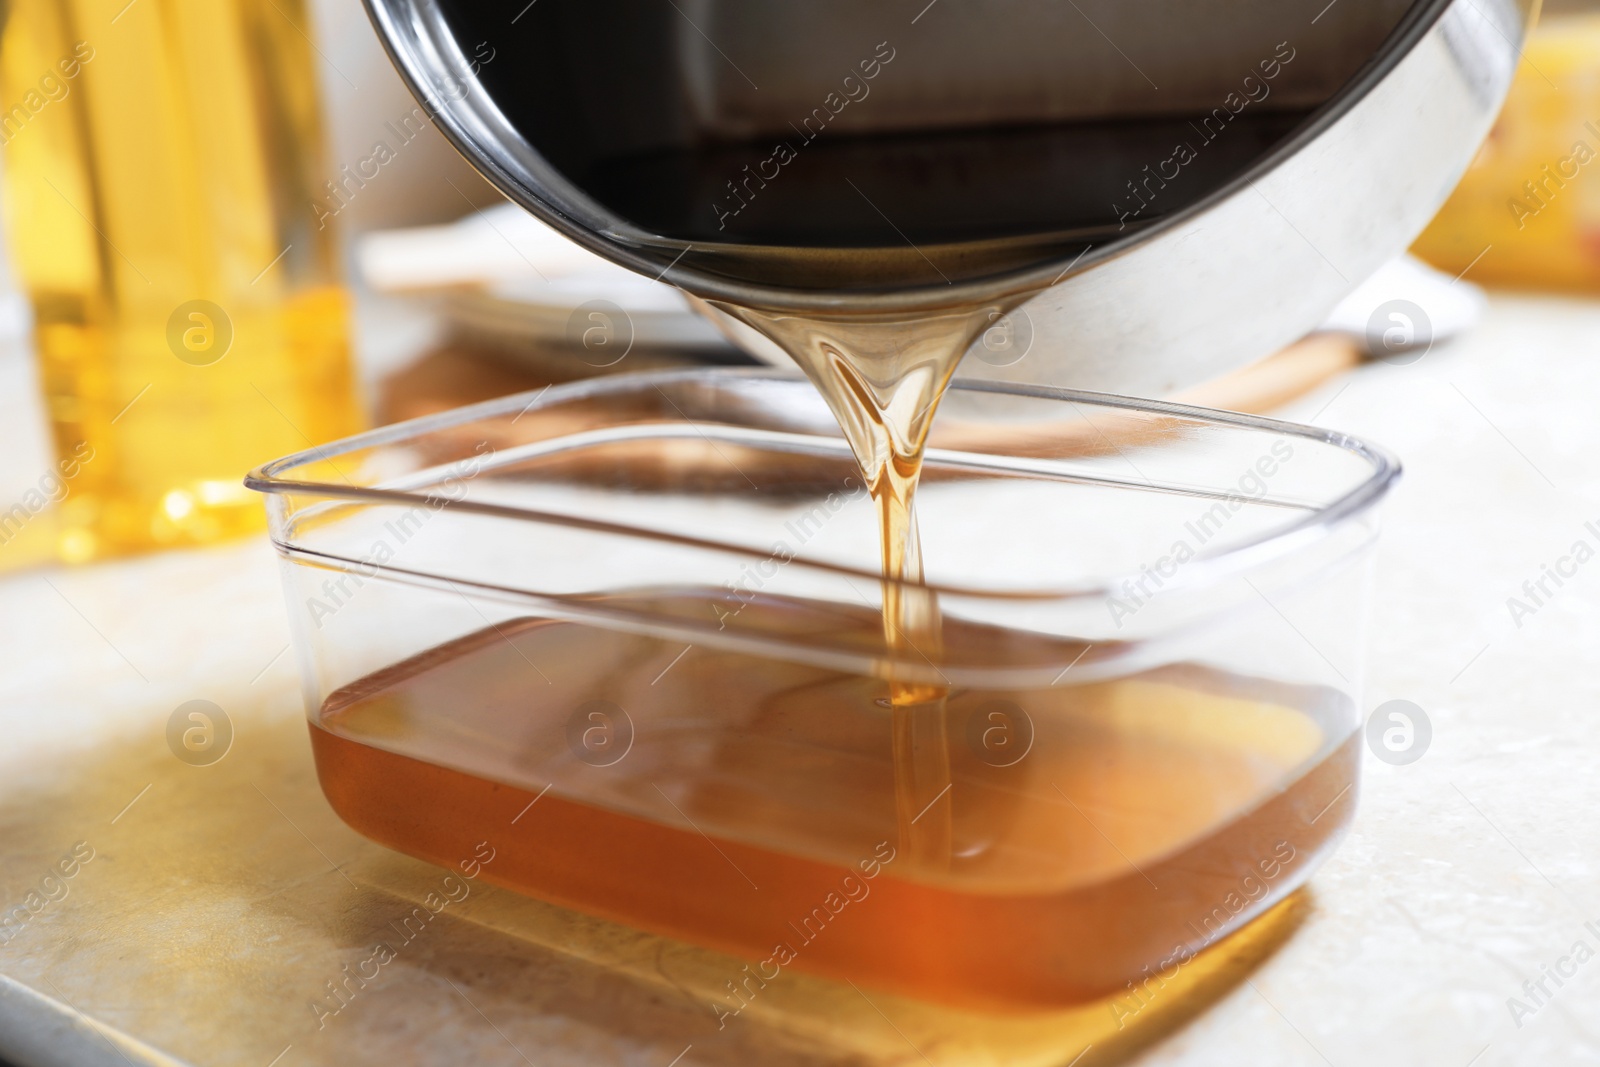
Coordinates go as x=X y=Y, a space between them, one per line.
x=160 y=158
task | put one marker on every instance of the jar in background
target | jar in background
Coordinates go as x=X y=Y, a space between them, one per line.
x=162 y=161
x=1527 y=212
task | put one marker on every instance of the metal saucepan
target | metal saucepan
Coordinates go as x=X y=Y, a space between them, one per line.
x=1378 y=113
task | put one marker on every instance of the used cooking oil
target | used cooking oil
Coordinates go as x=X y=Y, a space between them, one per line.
x=1095 y=832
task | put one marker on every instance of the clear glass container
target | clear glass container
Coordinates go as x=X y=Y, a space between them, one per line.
x=627 y=631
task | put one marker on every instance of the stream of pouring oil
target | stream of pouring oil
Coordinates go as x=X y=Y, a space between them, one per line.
x=882 y=377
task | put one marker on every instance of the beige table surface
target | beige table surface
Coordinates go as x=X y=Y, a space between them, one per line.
x=221 y=899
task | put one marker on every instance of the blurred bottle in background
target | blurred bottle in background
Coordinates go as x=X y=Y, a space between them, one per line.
x=1527 y=212
x=162 y=162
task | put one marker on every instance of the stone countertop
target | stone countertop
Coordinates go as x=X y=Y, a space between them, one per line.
x=1476 y=868
x=219 y=900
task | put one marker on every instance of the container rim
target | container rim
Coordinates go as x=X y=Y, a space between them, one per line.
x=1204 y=570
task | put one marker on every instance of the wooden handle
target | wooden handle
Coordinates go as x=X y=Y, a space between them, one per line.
x=1280 y=378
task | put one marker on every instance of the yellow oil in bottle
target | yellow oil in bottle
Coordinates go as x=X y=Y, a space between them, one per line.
x=160 y=163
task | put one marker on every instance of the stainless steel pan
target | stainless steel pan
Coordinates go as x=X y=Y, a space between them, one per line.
x=1399 y=95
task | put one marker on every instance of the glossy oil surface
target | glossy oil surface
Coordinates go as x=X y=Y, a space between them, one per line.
x=749 y=804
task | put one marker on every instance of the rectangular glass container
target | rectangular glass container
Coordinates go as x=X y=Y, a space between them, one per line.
x=628 y=629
